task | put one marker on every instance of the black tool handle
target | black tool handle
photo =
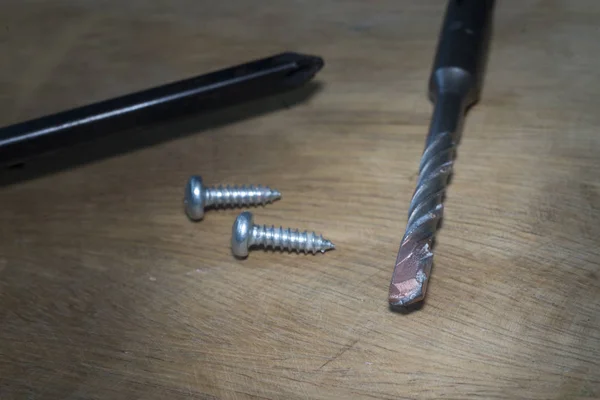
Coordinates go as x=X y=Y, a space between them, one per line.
x=206 y=92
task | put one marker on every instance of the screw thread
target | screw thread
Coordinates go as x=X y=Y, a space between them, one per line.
x=233 y=196
x=288 y=239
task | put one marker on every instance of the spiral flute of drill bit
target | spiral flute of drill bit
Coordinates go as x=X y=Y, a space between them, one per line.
x=426 y=205
x=246 y=234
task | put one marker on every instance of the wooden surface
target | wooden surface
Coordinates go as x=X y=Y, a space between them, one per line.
x=108 y=291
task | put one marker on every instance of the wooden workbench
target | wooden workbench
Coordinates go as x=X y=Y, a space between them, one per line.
x=107 y=291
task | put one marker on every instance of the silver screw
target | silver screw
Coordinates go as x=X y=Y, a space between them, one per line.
x=245 y=234
x=197 y=196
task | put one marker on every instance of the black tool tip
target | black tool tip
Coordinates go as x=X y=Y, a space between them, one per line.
x=306 y=67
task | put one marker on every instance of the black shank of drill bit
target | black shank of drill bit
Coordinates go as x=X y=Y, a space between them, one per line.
x=462 y=49
x=207 y=92
x=458 y=69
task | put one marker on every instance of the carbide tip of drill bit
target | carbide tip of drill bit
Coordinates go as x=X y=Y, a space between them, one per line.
x=409 y=281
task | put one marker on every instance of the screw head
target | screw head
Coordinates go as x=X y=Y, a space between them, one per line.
x=240 y=234
x=194 y=198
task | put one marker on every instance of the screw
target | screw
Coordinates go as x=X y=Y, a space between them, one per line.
x=197 y=196
x=245 y=234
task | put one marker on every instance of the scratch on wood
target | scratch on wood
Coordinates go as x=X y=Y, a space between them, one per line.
x=340 y=353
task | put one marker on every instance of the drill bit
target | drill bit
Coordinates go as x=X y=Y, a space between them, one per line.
x=454 y=86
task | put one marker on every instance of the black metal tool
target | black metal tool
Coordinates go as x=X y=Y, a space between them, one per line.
x=203 y=93
x=454 y=86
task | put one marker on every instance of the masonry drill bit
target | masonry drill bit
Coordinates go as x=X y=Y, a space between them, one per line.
x=454 y=86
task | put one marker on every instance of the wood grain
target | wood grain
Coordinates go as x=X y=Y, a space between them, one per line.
x=108 y=291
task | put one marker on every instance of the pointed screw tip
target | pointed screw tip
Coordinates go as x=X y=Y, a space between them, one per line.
x=328 y=245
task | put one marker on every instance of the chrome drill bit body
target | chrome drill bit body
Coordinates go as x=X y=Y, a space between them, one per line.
x=415 y=257
x=454 y=86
